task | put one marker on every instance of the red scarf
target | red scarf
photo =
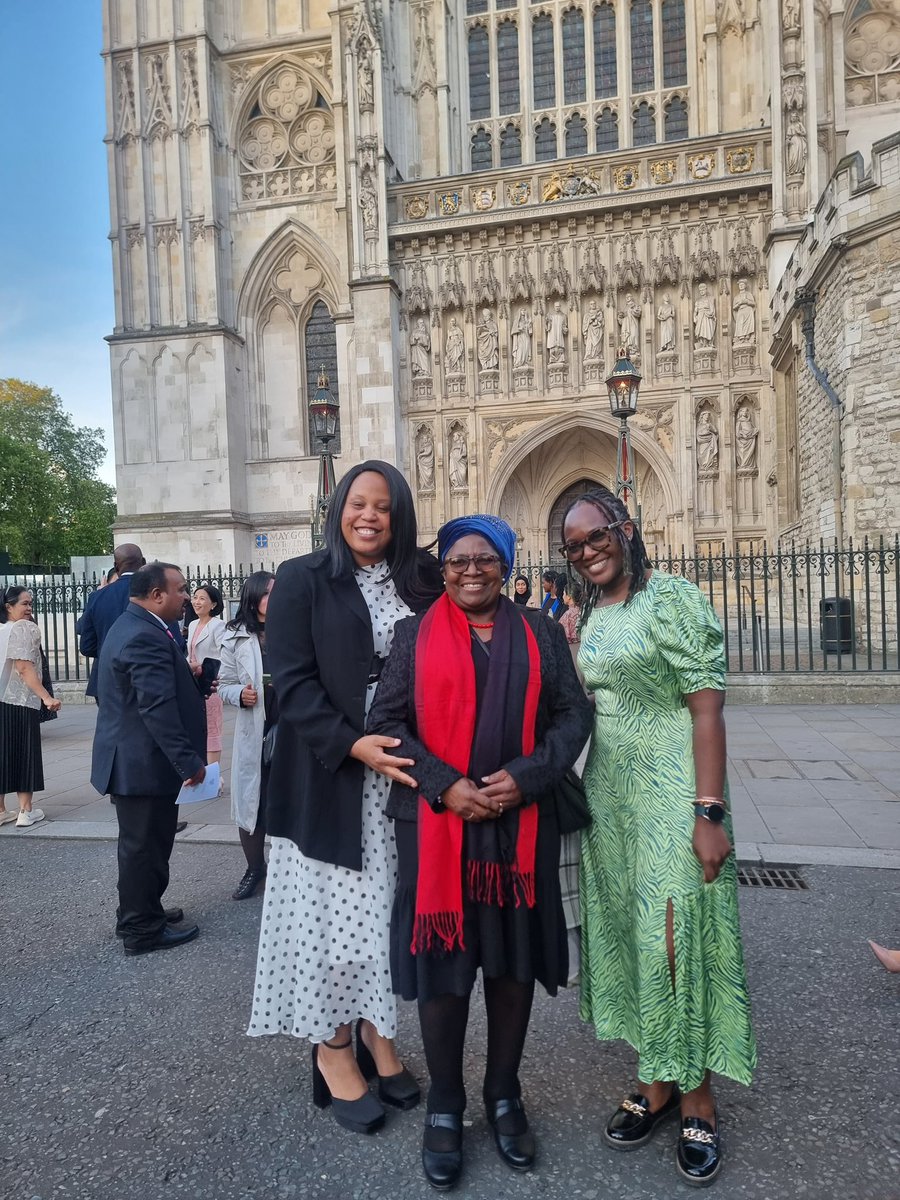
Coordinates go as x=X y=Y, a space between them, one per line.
x=446 y=718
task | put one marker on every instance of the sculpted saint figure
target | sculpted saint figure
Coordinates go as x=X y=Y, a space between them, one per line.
x=458 y=466
x=366 y=90
x=744 y=310
x=630 y=325
x=746 y=435
x=368 y=202
x=420 y=350
x=592 y=333
x=665 y=315
x=521 y=338
x=704 y=318
x=796 y=145
x=488 y=342
x=707 y=445
x=456 y=345
x=425 y=460
x=557 y=330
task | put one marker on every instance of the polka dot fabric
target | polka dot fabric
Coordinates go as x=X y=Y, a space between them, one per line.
x=324 y=954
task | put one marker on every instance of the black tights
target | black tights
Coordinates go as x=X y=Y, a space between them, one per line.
x=253 y=845
x=444 y=1020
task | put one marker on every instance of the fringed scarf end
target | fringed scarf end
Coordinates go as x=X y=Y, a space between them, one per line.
x=499 y=884
x=437 y=931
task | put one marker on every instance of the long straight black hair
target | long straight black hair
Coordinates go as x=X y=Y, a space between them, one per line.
x=407 y=563
x=247 y=615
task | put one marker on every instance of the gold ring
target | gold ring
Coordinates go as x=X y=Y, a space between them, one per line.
x=501 y=808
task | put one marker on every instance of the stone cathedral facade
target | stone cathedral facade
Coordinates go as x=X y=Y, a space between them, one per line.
x=461 y=210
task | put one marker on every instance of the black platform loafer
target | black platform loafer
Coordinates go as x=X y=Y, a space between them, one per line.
x=166 y=940
x=699 y=1154
x=512 y=1137
x=250 y=881
x=174 y=916
x=632 y=1124
x=442 y=1150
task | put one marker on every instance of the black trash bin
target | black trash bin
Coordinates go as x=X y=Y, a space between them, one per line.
x=836 y=624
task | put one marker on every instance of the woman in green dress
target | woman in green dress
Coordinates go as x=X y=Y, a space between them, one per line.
x=662 y=965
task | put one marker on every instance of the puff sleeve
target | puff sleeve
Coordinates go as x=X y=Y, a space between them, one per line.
x=690 y=637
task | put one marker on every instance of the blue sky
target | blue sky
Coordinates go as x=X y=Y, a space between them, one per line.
x=56 y=297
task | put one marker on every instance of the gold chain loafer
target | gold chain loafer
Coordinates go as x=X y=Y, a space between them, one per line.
x=699 y=1154
x=632 y=1124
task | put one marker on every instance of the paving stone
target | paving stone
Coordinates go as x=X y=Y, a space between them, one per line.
x=808 y=825
x=773 y=768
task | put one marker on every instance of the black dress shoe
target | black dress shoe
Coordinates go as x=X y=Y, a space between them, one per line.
x=699 y=1153
x=163 y=941
x=364 y=1115
x=174 y=916
x=250 y=881
x=516 y=1148
x=181 y=827
x=400 y=1090
x=442 y=1150
x=632 y=1124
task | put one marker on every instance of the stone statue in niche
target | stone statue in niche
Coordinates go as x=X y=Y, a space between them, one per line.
x=455 y=348
x=521 y=339
x=592 y=333
x=665 y=315
x=630 y=325
x=704 y=318
x=368 y=203
x=420 y=350
x=458 y=466
x=366 y=87
x=796 y=144
x=746 y=436
x=557 y=332
x=791 y=14
x=425 y=459
x=488 y=342
x=707 y=446
x=743 y=308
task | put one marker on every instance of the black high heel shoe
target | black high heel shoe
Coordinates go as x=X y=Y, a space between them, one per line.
x=364 y=1115
x=516 y=1149
x=400 y=1090
x=443 y=1167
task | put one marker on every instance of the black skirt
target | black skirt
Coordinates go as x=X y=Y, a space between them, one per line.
x=21 y=764
x=525 y=943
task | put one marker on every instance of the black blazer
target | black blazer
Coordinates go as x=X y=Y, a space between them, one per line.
x=151 y=730
x=320 y=649
x=103 y=609
x=562 y=726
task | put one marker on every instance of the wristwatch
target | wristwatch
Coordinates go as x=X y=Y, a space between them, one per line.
x=710 y=812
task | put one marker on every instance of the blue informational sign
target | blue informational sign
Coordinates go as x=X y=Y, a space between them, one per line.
x=262 y=541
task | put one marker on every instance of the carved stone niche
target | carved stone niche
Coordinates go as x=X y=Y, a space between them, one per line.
x=423 y=389
x=667 y=364
x=456 y=385
x=705 y=359
x=489 y=381
x=744 y=359
x=523 y=379
x=594 y=372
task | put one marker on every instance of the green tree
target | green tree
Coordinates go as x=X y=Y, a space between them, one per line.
x=52 y=505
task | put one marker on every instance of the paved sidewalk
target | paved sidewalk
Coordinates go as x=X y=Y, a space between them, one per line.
x=809 y=784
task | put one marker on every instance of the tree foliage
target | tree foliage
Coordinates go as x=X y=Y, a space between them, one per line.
x=52 y=505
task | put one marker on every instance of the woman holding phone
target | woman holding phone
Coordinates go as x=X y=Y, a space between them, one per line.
x=204 y=642
x=244 y=682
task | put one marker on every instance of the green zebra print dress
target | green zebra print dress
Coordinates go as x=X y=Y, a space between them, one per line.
x=640 y=659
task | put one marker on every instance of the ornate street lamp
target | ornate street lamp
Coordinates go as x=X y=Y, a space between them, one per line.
x=323 y=421
x=623 y=385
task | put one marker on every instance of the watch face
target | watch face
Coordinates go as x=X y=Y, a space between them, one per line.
x=716 y=813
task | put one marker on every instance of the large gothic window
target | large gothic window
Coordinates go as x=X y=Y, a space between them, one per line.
x=321 y=352
x=642 y=74
x=872 y=52
x=542 y=62
x=605 y=74
x=286 y=147
x=676 y=120
x=643 y=125
x=674 y=43
x=576 y=136
x=479 y=73
x=607 y=131
x=508 y=66
x=510 y=146
x=482 y=154
x=573 y=56
x=545 y=141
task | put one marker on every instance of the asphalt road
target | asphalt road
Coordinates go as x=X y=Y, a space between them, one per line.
x=131 y=1079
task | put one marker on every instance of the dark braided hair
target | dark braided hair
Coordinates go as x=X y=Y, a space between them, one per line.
x=635 y=560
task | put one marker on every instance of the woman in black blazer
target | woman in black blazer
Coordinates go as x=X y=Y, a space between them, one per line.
x=324 y=958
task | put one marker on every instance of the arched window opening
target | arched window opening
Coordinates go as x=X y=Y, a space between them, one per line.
x=545 y=141
x=643 y=126
x=573 y=56
x=607 y=131
x=542 y=65
x=508 y=66
x=676 y=120
x=479 y=73
x=606 y=78
x=642 y=70
x=576 y=136
x=674 y=43
x=510 y=147
x=482 y=152
x=321 y=351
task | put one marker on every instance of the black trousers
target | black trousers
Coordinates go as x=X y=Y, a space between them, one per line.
x=146 y=836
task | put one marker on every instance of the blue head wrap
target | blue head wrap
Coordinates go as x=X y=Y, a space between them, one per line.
x=501 y=536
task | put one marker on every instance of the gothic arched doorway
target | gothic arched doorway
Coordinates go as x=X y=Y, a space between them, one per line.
x=560 y=504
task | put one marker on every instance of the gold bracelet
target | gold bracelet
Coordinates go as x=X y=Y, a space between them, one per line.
x=706 y=800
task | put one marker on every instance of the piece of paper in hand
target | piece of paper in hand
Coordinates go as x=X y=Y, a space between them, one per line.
x=207 y=790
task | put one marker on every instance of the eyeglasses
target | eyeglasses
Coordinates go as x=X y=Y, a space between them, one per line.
x=597 y=539
x=483 y=562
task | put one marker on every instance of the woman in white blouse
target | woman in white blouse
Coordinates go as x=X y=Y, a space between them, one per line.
x=21 y=696
x=204 y=640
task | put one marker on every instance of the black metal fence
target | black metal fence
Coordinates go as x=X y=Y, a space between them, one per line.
x=798 y=610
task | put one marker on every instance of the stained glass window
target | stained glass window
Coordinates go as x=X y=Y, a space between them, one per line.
x=510 y=147
x=542 y=65
x=643 y=126
x=606 y=81
x=482 y=156
x=476 y=6
x=508 y=66
x=576 y=136
x=676 y=120
x=607 y=131
x=321 y=351
x=573 y=56
x=674 y=44
x=642 y=76
x=479 y=73
x=545 y=140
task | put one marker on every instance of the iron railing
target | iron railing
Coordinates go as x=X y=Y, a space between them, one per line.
x=786 y=610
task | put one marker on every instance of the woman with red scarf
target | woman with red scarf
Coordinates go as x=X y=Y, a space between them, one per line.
x=484 y=697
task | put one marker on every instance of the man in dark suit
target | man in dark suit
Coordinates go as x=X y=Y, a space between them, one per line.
x=105 y=606
x=150 y=739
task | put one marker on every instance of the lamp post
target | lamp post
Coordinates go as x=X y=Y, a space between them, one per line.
x=323 y=419
x=623 y=385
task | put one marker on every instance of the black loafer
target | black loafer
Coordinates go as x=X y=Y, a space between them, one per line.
x=443 y=1167
x=250 y=881
x=163 y=941
x=174 y=916
x=632 y=1124
x=516 y=1149
x=699 y=1153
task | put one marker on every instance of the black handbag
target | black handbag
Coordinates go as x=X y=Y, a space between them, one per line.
x=572 y=812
